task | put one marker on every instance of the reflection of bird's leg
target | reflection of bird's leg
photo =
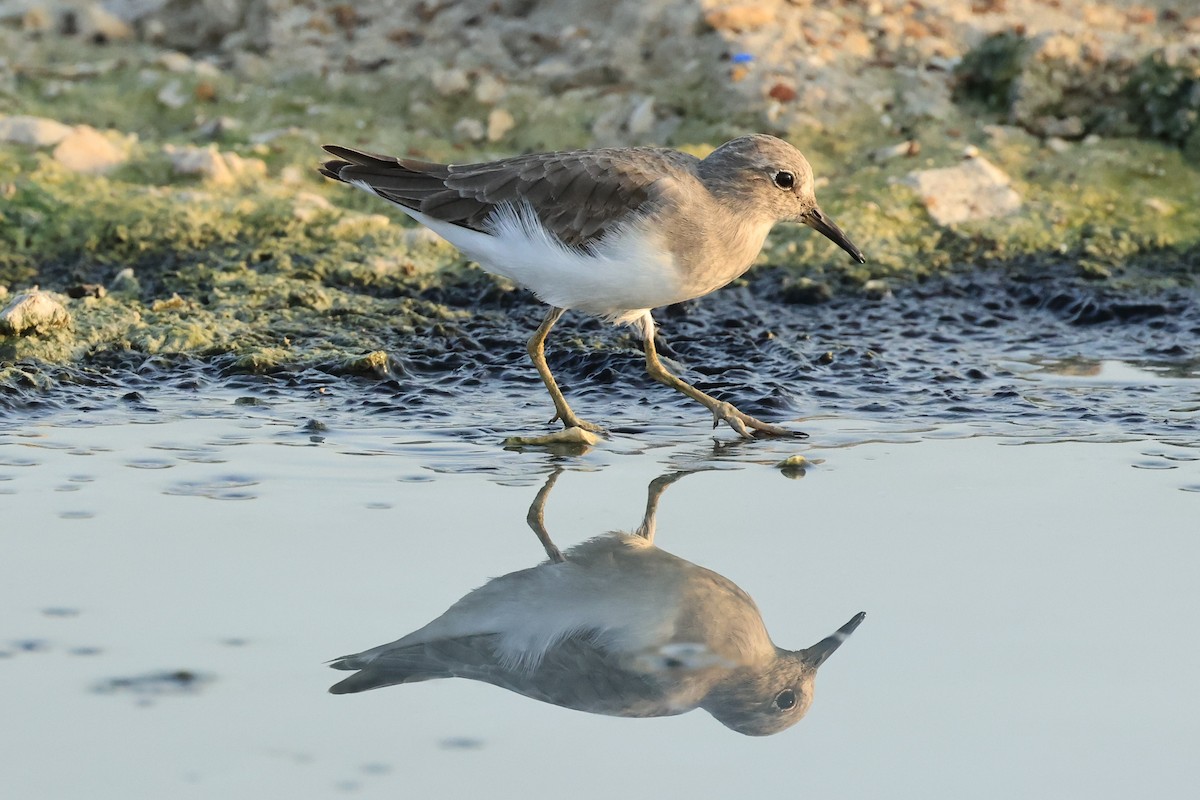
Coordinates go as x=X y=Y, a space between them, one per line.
x=537 y=354
x=537 y=519
x=744 y=424
x=657 y=487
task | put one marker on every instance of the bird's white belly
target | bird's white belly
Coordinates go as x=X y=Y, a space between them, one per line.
x=619 y=278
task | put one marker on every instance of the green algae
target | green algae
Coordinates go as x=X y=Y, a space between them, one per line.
x=294 y=271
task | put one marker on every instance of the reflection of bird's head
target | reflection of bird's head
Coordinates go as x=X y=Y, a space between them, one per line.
x=758 y=702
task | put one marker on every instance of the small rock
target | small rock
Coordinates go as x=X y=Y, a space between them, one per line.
x=34 y=311
x=489 y=90
x=125 y=282
x=906 y=149
x=746 y=17
x=469 y=129
x=33 y=131
x=212 y=165
x=500 y=121
x=173 y=95
x=794 y=467
x=96 y=23
x=37 y=20
x=91 y=152
x=877 y=289
x=449 y=82
x=1159 y=206
x=218 y=127
x=641 y=121
x=1057 y=145
x=175 y=61
x=975 y=189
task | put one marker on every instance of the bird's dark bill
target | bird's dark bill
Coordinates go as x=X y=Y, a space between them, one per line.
x=823 y=649
x=817 y=220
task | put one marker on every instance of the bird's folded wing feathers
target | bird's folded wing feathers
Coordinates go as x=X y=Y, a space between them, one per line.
x=575 y=673
x=578 y=196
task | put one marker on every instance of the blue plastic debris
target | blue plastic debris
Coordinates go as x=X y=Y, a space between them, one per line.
x=742 y=58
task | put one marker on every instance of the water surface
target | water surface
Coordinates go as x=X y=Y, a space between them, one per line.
x=178 y=569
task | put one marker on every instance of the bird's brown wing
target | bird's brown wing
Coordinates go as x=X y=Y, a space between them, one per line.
x=578 y=195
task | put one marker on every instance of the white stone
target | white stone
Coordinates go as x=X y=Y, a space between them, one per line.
x=34 y=311
x=35 y=131
x=172 y=95
x=973 y=190
x=212 y=165
x=91 y=152
x=449 y=82
x=641 y=120
x=469 y=129
x=489 y=90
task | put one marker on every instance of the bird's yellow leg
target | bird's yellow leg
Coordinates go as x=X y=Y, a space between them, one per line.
x=744 y=424
x=537 y=354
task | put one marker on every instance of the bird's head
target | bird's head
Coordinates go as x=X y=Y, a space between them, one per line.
x=767 y=174
x=759 y=702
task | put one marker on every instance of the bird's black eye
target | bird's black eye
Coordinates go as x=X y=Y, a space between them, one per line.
x=784 y=179
x=785 y=700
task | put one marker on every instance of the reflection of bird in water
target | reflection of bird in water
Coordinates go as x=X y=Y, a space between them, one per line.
x=614 y=626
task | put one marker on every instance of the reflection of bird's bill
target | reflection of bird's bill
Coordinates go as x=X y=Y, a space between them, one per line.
x=823 y=649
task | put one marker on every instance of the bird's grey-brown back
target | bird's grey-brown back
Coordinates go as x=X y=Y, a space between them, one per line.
x=579 y=196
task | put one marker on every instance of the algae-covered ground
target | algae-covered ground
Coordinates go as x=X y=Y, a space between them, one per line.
x=267 y=267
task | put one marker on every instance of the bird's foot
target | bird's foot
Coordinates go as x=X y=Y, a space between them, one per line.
x=569 y=420
x=749 y=427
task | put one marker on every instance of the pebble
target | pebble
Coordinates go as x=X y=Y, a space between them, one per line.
x=500 y=121
x=746 y=17
x=88 y=151
x=449 y=82
x=1159 y=206
x=973 y=190
x=34 y=311
x=489 y=89
x=877 y=289
x=641 y=120
x=172 y=95
x=212 y=165
x=906 y=149
x=470 y=129
x=96 y=23
x=125 y=282
x=33 y=131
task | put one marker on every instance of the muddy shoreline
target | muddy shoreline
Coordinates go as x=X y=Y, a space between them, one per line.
x=199 y=232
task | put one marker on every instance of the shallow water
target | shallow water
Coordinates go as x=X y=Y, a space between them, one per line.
x=180 y=561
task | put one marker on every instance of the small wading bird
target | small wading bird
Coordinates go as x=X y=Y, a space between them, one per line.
x=611 y=232
x=613 y=626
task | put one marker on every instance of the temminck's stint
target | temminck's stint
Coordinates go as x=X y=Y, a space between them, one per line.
x=614 y=626
x=612 y=232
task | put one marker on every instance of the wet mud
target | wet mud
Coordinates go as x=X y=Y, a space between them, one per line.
x=991 y=348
